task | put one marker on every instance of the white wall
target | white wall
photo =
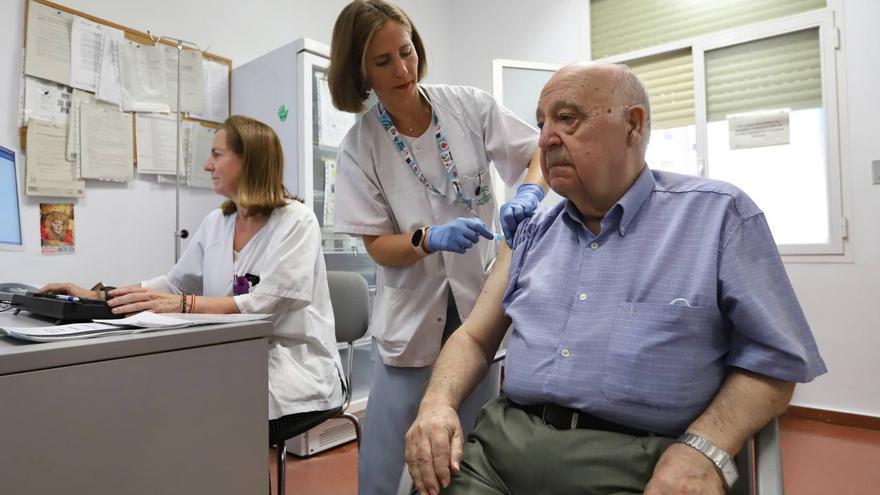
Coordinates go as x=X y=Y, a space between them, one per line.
x=117 y=226
x=124 y=231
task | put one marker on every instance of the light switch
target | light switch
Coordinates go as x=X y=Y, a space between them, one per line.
x=875 y=171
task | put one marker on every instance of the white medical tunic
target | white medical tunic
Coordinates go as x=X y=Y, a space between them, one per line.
x=304 y=364
x=378 y=194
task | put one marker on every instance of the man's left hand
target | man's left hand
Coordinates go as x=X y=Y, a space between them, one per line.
x=682 y=470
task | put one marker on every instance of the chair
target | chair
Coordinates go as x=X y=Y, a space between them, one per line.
x=760 y=464
x=350 y=298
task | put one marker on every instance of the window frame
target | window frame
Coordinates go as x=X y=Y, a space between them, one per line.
x=823 y=20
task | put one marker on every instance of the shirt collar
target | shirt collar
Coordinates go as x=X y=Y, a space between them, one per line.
x=633 y=199
x=626 y=207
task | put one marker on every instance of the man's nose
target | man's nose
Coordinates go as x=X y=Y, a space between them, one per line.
x=548 y=137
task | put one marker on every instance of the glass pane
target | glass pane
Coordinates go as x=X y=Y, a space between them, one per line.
x=770 y=137
x=341 y=251
x=673 y=150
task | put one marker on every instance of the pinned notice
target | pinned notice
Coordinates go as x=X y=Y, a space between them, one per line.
x=761 y=128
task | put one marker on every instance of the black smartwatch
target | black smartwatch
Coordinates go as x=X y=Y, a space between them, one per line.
x=416 y=241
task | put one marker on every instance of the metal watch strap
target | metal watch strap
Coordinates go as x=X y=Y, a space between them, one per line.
x=722 y=460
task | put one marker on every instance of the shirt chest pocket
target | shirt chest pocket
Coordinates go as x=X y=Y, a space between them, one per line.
x=657 y=352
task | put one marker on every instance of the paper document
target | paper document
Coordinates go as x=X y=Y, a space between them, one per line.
x=46 y=100
x=215 y=77
x=156 y=144
x=141 y=322
x=332 y=123
x=86 y=43
x=148 y=319
x=199 y=152
x=106 y=143
x=109 y=88
x=48 y=43
x=143 y=78
x=191 y=76
x=48 y=172
x=79 y=97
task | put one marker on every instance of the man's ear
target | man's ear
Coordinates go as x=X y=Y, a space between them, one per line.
x=636 y=120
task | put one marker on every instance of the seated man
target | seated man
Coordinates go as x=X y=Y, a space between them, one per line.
x=654 y=326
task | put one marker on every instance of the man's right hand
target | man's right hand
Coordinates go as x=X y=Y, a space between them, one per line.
x=434 y=448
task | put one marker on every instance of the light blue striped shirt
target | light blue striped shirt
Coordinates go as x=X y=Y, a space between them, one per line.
x=640 y=324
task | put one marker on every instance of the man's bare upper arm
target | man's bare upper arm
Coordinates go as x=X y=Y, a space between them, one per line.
x=487 y=324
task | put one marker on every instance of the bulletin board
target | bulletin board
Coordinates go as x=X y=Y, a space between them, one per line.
x=141 y=38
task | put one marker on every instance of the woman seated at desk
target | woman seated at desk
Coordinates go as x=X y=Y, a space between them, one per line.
x=260 y=252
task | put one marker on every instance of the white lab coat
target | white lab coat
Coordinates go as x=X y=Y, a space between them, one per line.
x=304 y=364
x=377 y=194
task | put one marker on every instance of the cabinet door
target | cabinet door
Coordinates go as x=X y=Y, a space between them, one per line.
x=322 y=131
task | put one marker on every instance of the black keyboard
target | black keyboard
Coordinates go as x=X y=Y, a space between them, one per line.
x=63 y=311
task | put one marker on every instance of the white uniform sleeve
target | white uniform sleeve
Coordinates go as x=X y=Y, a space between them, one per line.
x=510 y=142
x=257 y=303
x=361 y=207
x=185 y=277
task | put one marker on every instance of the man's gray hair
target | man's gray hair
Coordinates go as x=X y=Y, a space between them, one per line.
x=632 y=92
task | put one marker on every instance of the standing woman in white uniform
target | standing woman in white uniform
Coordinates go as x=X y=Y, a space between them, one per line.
x=260 y=252
x=413 y=181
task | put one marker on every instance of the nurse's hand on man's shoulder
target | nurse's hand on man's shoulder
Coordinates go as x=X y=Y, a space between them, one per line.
x=434 y=445
x=457 y=236
x=528 y=197
x=128 y=300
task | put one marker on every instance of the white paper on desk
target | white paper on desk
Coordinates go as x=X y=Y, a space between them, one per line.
x=106 y=143
x=48 y=172
x=48 y=43
x=156 y=144
x=109 y=87
x=86 y=44
x=215 y=77
x=199 y=152
x=143 y=78
x=46 y=100
x=191 y=76
x=62 y=332
x=148 y=319
x=332 y=123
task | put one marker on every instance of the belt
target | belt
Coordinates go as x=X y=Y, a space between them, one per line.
x=564 y=418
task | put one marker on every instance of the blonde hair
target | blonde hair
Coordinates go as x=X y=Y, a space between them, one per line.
x=352 y=33
x=261 y=183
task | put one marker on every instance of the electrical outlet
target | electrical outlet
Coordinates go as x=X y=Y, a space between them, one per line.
x=875 y=171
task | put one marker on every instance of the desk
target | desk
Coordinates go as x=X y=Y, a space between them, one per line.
x=175 y=411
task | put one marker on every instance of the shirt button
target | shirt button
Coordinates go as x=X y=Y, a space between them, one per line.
x=594 y=245
x=582 y=296
x=565 y=353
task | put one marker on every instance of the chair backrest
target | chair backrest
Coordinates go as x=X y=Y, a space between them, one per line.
x=350 y=297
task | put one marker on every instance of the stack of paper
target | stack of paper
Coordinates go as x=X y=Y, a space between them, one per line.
x=141 y=322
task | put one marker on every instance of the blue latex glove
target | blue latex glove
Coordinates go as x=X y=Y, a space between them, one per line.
x=458 y=235
x=519 y=208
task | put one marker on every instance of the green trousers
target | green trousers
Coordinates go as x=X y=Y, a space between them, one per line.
x=512 y=452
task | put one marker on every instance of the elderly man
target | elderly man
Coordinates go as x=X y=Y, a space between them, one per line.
x=654 y=327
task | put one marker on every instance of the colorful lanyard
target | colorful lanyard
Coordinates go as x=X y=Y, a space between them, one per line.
x=410 y=159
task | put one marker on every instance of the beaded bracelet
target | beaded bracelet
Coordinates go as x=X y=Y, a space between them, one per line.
x=183 y=303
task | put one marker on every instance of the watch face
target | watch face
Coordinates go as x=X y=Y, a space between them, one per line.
x=417 y=237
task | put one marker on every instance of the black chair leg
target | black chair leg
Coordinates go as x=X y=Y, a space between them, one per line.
x=357 y=426
x=282 y=454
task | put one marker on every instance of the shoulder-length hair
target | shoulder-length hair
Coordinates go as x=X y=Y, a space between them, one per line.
x=354 y=29
x=261 y=183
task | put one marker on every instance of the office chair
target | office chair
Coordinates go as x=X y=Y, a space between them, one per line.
x=349 y=296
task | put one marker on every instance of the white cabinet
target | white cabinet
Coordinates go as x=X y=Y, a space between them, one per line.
x=287 y=89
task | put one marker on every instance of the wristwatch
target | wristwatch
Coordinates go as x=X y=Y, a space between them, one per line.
x=722 y=460
x=417 y=237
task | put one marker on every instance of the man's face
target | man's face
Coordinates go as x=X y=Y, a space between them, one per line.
x=584 y=139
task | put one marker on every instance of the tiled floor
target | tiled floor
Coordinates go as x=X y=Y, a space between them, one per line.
x=817 y=459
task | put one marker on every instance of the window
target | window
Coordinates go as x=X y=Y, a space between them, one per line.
x=754 y=105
